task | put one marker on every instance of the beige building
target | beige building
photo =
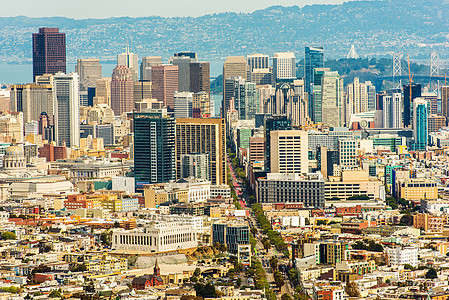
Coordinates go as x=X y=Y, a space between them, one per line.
x=32 y=99
x=352 y=183
x=435 y=123
x=89 y=71
x=103 y=91
x=11 y=127
x=201 y=104
x=234 y=66
x=289 y=151
x=195 y=135
x=416 y=189
x=332 y=99
x=428 y=222
x=256 y=149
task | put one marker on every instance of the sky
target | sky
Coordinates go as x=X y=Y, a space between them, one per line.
x=81 y=9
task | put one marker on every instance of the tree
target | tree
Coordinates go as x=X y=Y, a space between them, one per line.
x=321 y=222
x=431 y=274
x=8 y=235
x=409 y=267
x=106 y=238
x=278 y=279
x=197 y=272
x=286 y=297
x=351 y=289
x=205 y=290
x=266 y=244
x=407 y=220
x=116 y=224
x=254 y=231
x=238 y=282
x=55 y=294
x=273 y=263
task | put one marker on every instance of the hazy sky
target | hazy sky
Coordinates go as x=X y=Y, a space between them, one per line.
x=137 y=8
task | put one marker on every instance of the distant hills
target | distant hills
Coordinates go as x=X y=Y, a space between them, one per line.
x=376 y=28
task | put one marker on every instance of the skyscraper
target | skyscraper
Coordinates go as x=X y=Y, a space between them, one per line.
x=183 y=62
x=194 y=135
x=145 y=66
x=360 y=97
x=271 y=124
x=195 y=165
x=415 y=90
x=347 y=153
x=103 y=91
x=128 y=60
x=200 y=77
x=89 y=71
x=284 y=66
x=314 y=58
x=420 y=129
x=332 y=99
x=445 y=101
x=392 y=110
x=67 y=116
x=257 y=61
x=183 y=105
x=234 y=66
x=154 y=148
x=32 y=99
x=122 y=90
x=245 y=100
x=289 y=151
x=49 y=53
x=165 y=84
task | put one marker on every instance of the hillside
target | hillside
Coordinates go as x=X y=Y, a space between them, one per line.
x=376 y=28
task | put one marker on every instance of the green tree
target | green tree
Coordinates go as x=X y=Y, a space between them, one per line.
x=55 y=294
x=8 y=235
x=273 y=263
x=106 y=238
x=286 y=297
x=351 y=289
x=278 y=279
x=431 y=274
x=197 y=272
x=238 y=282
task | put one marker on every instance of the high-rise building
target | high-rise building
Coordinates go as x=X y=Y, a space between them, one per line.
x=201 y=104
x=89 y=71
x=183 y=62
x=435 y=123
x=194 y=135
x=271 y=124
x=195 y=165
x=154 y=148
x=392 y=110
x=67 y=116
x=290 y=100
x=315 y=98
x=122 y=90
x=360 y=97
x=284 y=66
x=420 y=129
x=142 y=90
x=415 y=89
x=165 y=84
x=32 y=99
x=445 y=101
x=257 y=61
x=332 y=99
x=326 y=159
x=234 y=66
x=49 y=53
x=145 y=66
x=103 y=91
x=128 y=60
x=200 y=77
x=256 y=149
x=347 y=153
x=183 y=105
x=289 y=151
x=314 y=58
x=261 y=76
x=232 y=235
x=245 y=100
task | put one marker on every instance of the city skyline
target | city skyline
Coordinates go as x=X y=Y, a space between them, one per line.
x=170 y=8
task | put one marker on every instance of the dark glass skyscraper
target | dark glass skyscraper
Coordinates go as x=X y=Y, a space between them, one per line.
x=49 y=53
x=416 y=92
x=314 y=58
x=154 y=148
x=271 y=124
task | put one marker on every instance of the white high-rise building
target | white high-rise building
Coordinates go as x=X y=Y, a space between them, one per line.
x=360 y=97
x=332 y=99
x=392 y=111
x=257 y=61
x=89 y=71
x=128 y=60
x=347 y=153
x=289 y=151
x=183 y=104
x=67 y=115
x=284 y=65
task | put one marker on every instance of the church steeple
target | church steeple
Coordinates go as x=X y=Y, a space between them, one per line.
x=157 y=270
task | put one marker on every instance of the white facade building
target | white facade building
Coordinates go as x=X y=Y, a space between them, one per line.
x=128 y=60
x=289 y=151
x=162 y=237
x=67 y=114
x=123 y=183
x=284 y=65
x=392 y=111
x=223 y=191
x=183 y=104
x=400 y=256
